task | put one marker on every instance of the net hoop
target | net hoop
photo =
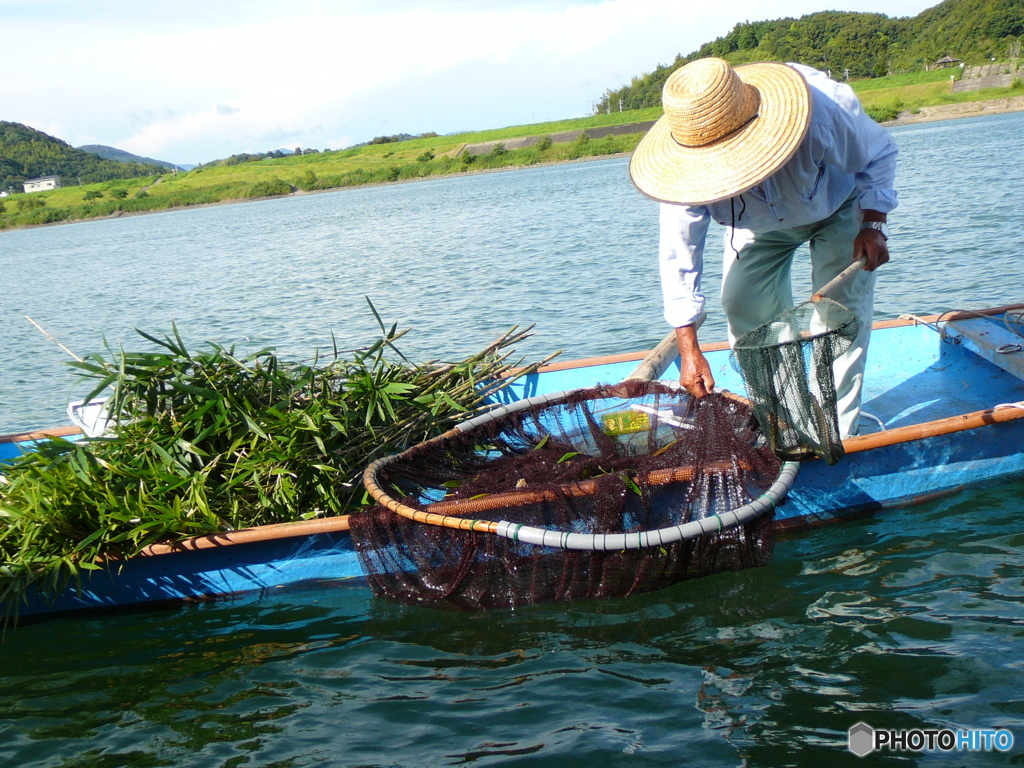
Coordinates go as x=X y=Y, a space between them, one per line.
x=562 y=539
x=849 y=326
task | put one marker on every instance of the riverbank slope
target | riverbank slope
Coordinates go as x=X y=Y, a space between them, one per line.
x=892 y=101
x=954 y=111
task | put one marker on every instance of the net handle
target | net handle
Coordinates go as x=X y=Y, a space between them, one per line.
x=568 y=490
x=657 y=360
x=839 y=279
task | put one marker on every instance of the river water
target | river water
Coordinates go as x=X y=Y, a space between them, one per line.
x=911 y=619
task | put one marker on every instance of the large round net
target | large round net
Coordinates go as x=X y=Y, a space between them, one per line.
x=597 y=493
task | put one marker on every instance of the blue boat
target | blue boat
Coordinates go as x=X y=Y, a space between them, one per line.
x=944 y=405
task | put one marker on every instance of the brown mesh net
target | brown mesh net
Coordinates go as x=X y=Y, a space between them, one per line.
x=787 y=367
x=633 y=459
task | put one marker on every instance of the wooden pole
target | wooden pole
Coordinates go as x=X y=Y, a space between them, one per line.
x=657 y=361
x=47 y=335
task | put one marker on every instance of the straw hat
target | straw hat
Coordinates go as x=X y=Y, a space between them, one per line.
x=724 y=131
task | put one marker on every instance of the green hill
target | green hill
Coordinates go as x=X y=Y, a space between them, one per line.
x=854 y=45
x=247 y=177
x=26 y=153
x=119 y=155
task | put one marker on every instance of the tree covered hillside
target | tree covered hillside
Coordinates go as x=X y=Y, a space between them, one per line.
x=113 y=153
x=26 y=153
x=865 y=44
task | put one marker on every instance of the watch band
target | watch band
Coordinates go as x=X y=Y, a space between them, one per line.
x=879 y=226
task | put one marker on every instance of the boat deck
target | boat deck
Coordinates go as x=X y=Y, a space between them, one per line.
x=913 y=376
x=917 y=377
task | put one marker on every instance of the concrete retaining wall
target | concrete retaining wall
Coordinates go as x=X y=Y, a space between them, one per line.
x=999 y=75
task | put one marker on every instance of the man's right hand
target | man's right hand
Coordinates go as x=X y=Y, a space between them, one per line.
x=694 y=371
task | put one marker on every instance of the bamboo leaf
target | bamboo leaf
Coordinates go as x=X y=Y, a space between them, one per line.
x=630 y=483
x=398 y=388
x=211 y=440
x=254 y=426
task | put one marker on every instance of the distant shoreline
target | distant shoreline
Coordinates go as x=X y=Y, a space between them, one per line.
x=956 y=111
x=923 y=115
x=303 y=193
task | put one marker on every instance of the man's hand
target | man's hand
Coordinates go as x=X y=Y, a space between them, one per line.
x=870 y=244
x=694 y=371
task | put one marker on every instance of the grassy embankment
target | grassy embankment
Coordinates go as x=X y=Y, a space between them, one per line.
x=378 y=163
x=883 y=98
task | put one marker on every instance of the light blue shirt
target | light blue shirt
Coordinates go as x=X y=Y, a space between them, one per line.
x=844 y=150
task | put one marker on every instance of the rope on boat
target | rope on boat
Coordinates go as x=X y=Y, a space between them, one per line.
x=1018 y=404
x=865 y=415
x=934 y=326
x=1014 y=322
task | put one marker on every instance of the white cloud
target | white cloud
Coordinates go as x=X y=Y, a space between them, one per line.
x=193 y=81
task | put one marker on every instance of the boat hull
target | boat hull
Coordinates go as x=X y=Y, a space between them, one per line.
x=950 y=419
x=903 y=474
x=201 y=574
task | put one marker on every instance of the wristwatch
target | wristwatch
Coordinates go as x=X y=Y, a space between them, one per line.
x=876 y=225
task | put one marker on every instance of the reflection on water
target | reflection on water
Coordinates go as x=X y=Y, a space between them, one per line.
x=910 y=620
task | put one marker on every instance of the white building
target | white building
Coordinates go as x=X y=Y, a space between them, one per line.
x=42 y=183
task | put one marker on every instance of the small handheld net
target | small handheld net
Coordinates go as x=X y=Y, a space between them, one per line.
x=787 y=366
x=603 y=492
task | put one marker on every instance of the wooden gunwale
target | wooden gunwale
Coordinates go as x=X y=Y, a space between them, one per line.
x=718 y=346
x=42 y=434
x=927 y=429
x=337 y=524
x=580 y=488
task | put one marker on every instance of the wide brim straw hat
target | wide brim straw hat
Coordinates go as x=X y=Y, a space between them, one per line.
x=724 y=130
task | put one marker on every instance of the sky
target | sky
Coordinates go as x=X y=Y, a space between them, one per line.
x=191 y=81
